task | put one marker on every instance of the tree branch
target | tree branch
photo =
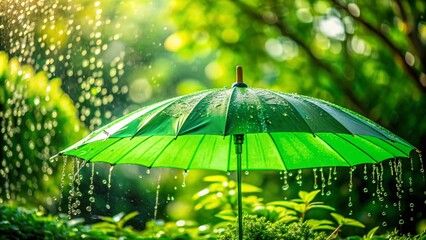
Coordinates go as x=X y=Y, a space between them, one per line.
x=400 y=59
x=341 y=81
x=412 y=34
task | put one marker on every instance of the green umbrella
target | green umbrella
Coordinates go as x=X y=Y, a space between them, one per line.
x=271 y=130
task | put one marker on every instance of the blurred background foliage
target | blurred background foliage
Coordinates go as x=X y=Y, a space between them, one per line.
x=68 y=67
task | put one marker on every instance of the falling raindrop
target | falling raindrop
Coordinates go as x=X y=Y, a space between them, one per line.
x=285 y=185
x=329 y=176
x=109 y=186
x=335 y=173
x=185 y=174
x=299 y=177
x=62 y=183
x=323 y=181
x=91 y=188
x=315 y=178
x=157 y=197
x=352 y=169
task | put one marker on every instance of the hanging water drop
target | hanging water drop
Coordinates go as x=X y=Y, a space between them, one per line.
x=299 y=177
x=148 y=171
x=89 y=208
x=329 y=176
x=185 y=174
x=107 y=206
x=315 y=178
x=246 y=173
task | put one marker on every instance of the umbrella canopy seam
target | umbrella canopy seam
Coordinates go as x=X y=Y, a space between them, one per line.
x=322 y=139
x=360 y=149
x=185 y=121
x=130 y=150
x=152 y=115
x=293 y=106
x=195 y=152
x=275 y=144
x=366 y=139
x=225 y=130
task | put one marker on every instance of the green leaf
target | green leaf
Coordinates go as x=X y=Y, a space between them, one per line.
x=248 y=188
x=347 y=221
x=323 y=207
x=308 y=197
x=126 y=218
x=371 y=233
x=215 y=178
x=228 y=215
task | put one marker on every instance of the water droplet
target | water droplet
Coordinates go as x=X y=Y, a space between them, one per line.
x=246 y=173
x=185 y=174
x=365 y=190
x=107 y=206
x=92 y=199
x=89 y=208
x=104 y=181
x=401 y=221
x=148 y=171
x=383 y=213
x=384 y=224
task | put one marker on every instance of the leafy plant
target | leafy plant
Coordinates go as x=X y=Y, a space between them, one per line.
x=116 y=223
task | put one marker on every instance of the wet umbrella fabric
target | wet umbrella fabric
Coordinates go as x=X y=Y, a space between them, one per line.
x=281 y=132
x=271 y=131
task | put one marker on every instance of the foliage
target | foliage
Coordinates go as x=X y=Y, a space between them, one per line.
x=259 y=228
x=37 y=119
x=20 y=223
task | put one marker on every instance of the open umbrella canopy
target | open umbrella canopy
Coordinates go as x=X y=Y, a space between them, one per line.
x=281 y=132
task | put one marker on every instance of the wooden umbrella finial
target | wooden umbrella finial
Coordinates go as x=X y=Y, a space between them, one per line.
x=239 y=70
x=239 y=78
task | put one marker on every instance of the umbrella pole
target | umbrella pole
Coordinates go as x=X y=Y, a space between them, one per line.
x=238 y=140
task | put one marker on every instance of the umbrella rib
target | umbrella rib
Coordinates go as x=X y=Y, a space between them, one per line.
x=330 y=115
x=118 y=140
x=364 y=122
x=293 y=106
x=276 y=147
x=227 y=112
x=195 y=152
x=357 y=147
x=161 y=152
x=334 y=150
x=383 y=148
x=154 y=114
x=206 y=93
x=137 y=145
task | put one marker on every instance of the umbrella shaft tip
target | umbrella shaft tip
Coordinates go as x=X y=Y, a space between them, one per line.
x=239 y=70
